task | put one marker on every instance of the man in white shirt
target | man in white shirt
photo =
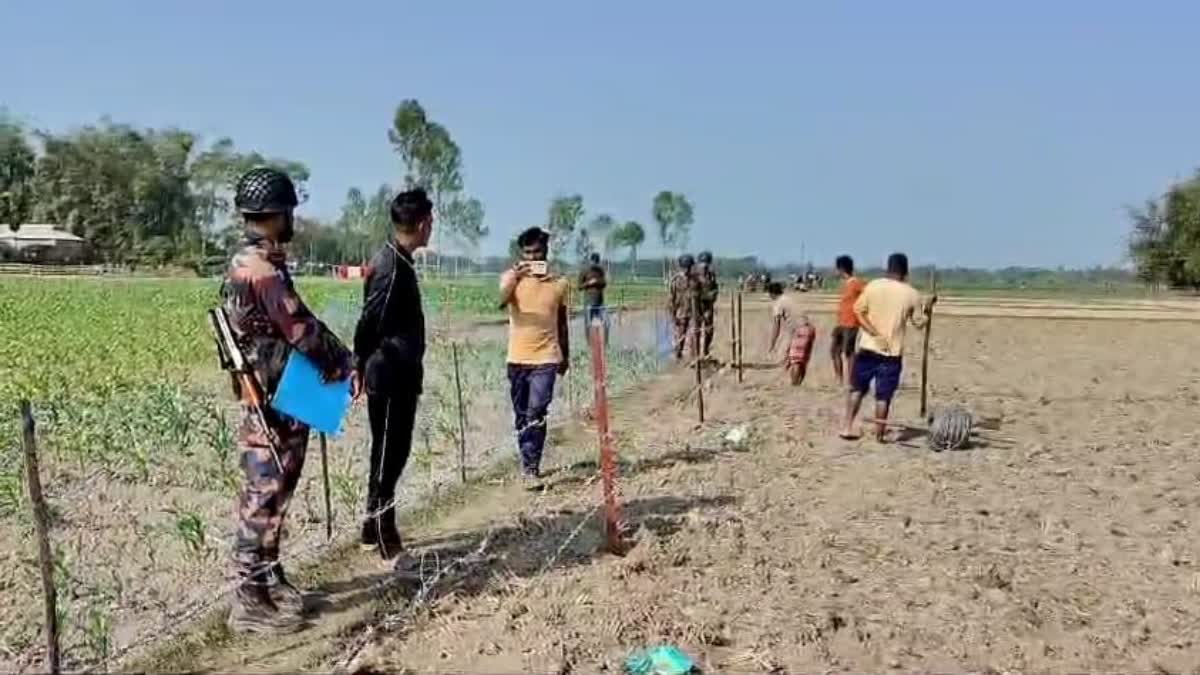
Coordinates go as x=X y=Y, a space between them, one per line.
x=787 y=319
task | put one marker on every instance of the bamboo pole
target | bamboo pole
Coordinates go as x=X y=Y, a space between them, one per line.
x=41 y=521
x=733 y=336
x=697 y=335
x=462 y=415
x=570 y=379
x=325 y=480
x=742 y=340
x=925 y=347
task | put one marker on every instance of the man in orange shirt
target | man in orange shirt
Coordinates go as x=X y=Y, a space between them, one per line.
x=845 y=334
x=538 y=349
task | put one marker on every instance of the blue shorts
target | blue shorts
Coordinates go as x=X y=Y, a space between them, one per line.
x=883 y=370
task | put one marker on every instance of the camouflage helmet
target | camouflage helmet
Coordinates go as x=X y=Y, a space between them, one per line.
x=705 y=257
x=265 y=190
x=686 y=260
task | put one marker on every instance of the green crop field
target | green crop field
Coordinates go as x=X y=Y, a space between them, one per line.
x=107 y=359
x=133 y=413
x=102 y=336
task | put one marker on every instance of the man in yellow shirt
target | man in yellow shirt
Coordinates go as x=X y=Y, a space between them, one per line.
x=884 y=310
x=538 y=347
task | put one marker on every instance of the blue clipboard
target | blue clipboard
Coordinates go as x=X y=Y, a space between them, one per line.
x=303 y=395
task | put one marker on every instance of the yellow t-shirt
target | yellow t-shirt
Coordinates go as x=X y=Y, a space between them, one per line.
x=533 y=321
x=889 y=305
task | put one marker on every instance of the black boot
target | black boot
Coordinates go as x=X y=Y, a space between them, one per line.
x=254 y=612
x=286 y=597
x=370 y=524
x=380 y=533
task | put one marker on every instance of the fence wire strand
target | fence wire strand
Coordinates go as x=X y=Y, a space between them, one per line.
x=318 y=547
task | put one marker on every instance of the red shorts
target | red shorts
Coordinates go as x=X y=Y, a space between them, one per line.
x=800 y=347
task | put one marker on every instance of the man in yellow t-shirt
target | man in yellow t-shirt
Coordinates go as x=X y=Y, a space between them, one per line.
x=538 y=348
x=884 y=310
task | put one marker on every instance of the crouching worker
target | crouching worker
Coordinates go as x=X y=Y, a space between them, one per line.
x=787 y=319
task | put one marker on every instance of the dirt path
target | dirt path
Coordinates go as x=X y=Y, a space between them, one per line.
x=1063 y=542
x=1067 y=547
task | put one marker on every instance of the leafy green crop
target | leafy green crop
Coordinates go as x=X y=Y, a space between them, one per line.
x=124 y=384
x=122 y=372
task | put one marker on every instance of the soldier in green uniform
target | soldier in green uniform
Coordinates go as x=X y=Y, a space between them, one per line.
x=269 y=320
x=684 y=295
x=709 y=289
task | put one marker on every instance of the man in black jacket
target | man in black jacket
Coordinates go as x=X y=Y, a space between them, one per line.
x=389 y=345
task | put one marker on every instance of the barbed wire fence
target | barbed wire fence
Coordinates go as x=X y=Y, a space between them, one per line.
x=464 y=430
x=354 y=649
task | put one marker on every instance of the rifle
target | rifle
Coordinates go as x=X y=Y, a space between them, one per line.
x=230 y=356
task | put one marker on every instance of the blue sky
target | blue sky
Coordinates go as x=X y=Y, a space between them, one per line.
x=973 y=133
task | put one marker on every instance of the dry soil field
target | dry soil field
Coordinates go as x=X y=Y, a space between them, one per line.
x=1063 y=541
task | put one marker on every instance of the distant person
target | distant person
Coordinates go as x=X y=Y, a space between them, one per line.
x=788 y=320
x=845 y=333
x=538 y=345
x=593 y=281
x=884 y=309
x=269 y=321
x=709 y=290
x=684 y=295
x=389 y=349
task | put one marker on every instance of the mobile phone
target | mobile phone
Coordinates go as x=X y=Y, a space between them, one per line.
x=538 y=268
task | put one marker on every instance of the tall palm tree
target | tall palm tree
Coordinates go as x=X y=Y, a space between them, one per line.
x=631 y=235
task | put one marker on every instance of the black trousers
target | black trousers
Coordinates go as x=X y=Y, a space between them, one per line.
x=392 y=417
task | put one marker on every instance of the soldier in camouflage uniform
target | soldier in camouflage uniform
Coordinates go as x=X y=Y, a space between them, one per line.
x=268 y=320
x=684 y=294
x=709 y=289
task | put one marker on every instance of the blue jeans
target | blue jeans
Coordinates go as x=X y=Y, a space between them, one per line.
x=883 y=370
x=532 y=389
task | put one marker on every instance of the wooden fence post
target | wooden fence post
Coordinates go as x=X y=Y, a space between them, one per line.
x=733 y=330
x=925 y=346
x=698 y=355
x=462 y=416
x=41 y=521
x=608 y=456
x=742 y=340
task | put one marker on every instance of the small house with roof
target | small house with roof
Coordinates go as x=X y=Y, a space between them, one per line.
x=42 y=243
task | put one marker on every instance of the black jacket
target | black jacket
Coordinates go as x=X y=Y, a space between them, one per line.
x=389 y=342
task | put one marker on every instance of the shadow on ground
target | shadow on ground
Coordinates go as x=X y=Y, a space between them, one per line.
x=523 y=550
x=588 y=470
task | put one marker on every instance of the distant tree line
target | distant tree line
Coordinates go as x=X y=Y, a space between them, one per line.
x=164 y=197
x=733 y=268
x=575 y=236
x=1165 y=242
x=138 y=196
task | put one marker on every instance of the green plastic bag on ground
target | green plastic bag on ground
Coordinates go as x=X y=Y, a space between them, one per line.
x=664 y=660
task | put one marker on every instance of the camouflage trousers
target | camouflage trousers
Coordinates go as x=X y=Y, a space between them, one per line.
x=707 y=313
x=683 y=325
x=267 y=490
